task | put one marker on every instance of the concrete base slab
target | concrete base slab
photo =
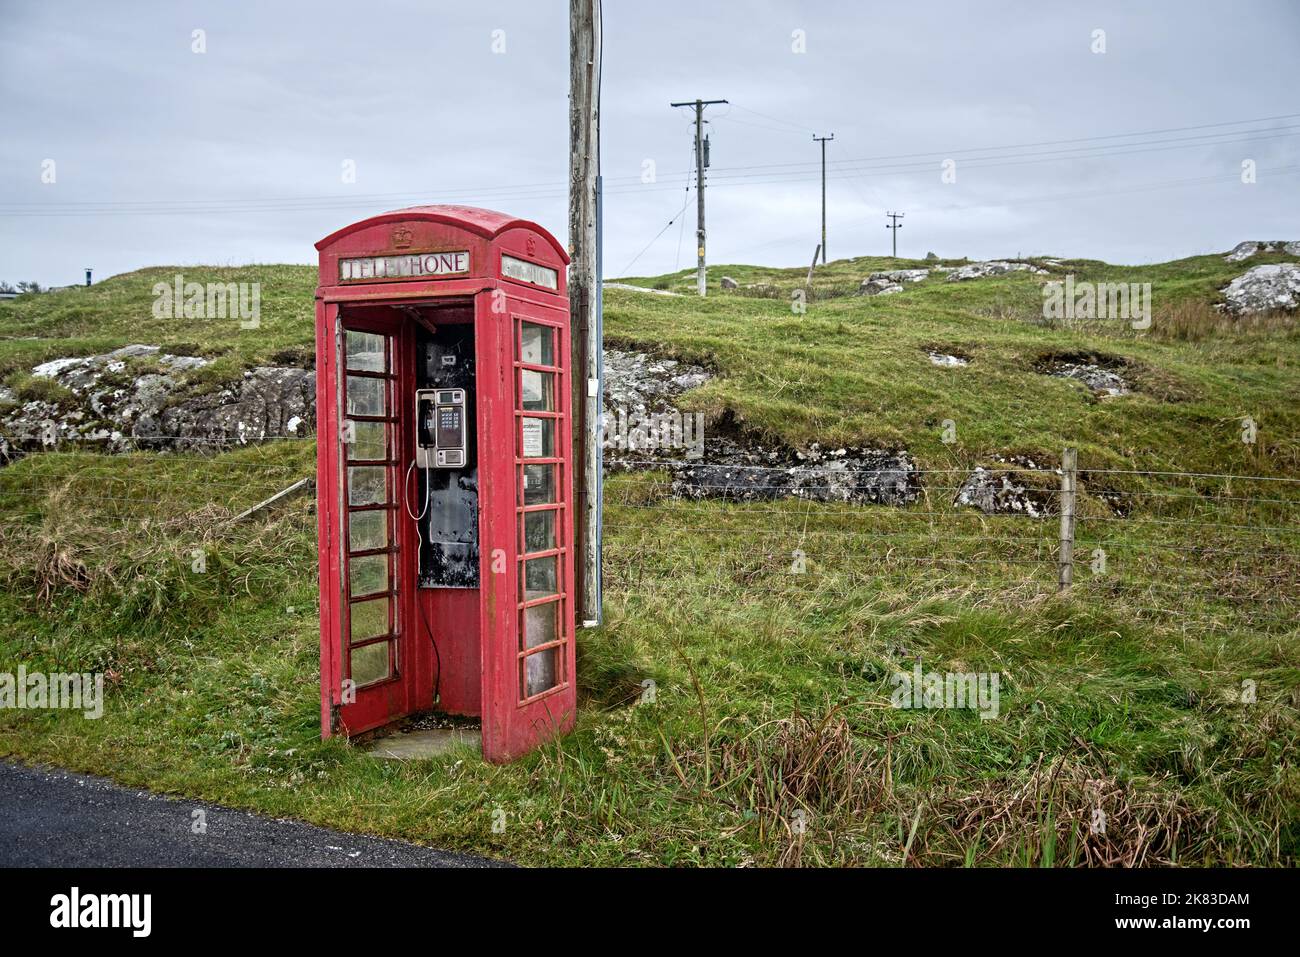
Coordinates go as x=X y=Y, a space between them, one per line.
x=424 y=743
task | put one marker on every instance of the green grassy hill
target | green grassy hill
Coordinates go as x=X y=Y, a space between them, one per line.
x=772 y=738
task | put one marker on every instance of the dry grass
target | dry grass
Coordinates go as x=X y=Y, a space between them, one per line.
x=1196 y=320
x=791 y=778
x=1061 y=807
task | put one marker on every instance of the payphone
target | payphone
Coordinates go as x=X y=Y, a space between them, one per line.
x=444 y=483
x=440 y=418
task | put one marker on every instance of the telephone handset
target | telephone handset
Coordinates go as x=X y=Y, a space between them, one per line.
x=440 y=433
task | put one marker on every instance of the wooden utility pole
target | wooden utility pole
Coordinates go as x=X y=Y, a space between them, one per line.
x=1069 y=494
x=895 y=227
x=822 y=140
x=584 y=302
x=699 y=105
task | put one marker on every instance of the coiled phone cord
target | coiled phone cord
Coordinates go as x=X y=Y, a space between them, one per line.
x=406 y=487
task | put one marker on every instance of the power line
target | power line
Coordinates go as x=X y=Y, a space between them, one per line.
x=629 y=266
x=548 y=188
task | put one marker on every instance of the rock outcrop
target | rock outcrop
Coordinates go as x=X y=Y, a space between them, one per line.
x=859 y=476
x=1252 y=247
x=885 y=283
x=993 y=267
x=1266 y=288
x=132 y=398
x=947 y=360
x=637 y=382
x=1002 y=492
x=878 y=287
x=1104 y=382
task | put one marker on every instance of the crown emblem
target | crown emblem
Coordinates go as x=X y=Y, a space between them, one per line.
x=402 y=237
x=531 y=245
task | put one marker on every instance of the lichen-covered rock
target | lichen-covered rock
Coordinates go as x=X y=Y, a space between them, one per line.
x=1104 y=382
x=859 y=476
x=269 y=402
x=903 y=275
x=993 y=267
x=635 y=381
x=1267 y=288
x=1003 y=492
x=947 y=360
x=130 y=398
x=878 y=287
x=641 y=422
x=729 y=283
x=1253 y=247
x=890 y=281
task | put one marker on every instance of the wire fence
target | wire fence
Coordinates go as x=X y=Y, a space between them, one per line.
x=1186 y=551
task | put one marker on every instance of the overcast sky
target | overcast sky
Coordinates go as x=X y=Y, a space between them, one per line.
x=167 y=156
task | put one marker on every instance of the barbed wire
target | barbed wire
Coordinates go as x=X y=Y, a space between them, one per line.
x=1226 y=573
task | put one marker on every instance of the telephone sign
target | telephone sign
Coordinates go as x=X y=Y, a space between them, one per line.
x=403 y=267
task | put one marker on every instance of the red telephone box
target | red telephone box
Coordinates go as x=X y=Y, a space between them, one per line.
x=446 y=535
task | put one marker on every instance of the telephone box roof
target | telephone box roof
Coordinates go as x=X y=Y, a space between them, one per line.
x=486 y=222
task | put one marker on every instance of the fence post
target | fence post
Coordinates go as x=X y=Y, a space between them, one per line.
x=1069 y=487
x=816 y=252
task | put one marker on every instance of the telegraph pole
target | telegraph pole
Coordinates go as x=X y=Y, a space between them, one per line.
x=895 y=227
x=822 y=140
x=699 y=183
x=585 y=302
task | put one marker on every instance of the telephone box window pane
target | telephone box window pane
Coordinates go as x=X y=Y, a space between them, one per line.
x=538 y=390
x=538 y=438
x=539 y=531
x=539 y=624
x=539 y=672
x=536 y=344
x=366 y=352
x=370 y=663
x=367 y=530
x=539 y=484
x=366 y=396
x=366 y=485
x=368 y=575
x=538 y=577
x=369 y=619
x=368 y=441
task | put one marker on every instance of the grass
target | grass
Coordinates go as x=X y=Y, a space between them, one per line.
x=770 y=739
x=120 y=310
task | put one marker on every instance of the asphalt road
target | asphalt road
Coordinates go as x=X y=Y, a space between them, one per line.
x=53 y=818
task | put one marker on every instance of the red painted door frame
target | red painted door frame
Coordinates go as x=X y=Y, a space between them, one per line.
x=514 y=723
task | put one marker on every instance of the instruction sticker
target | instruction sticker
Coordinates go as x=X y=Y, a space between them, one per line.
x=533 y=446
